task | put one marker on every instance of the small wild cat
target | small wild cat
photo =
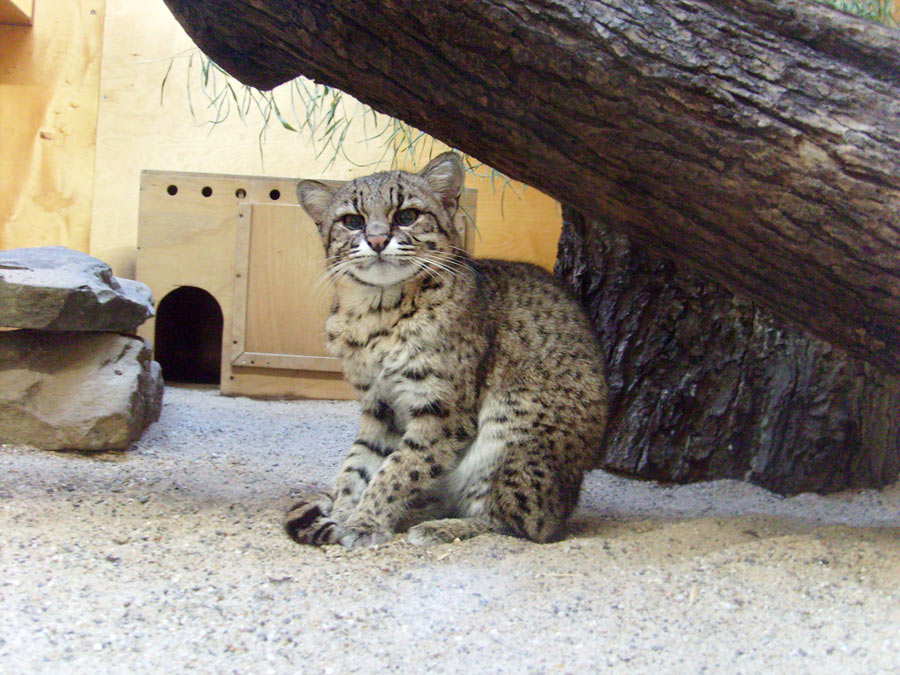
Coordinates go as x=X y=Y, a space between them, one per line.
x=481 y=381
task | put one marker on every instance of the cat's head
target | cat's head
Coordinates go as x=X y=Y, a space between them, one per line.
x=384 y=229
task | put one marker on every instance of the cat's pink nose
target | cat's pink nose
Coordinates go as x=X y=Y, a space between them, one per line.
x=378 y=242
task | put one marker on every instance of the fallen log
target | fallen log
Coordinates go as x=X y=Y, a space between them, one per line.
x=756 y=141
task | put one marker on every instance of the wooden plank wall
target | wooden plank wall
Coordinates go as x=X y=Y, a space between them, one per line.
x=49 y=84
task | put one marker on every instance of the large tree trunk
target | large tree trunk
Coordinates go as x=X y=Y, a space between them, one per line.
x=706 y=385
x=755 y=140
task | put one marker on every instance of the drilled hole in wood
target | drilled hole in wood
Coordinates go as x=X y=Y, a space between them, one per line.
x=172 y=190
x=240 y=193
x=274 y=195
x=206 y=192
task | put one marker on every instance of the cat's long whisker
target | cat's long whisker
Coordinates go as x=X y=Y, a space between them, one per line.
x=440 y=274
x=322 y=284
x=444 y=256
x=455 y=252
x=462 y=257
x=331 y=274
x=423 y=261
x=436 y=273
x=444 y=272
x=458 y=261
x=448 y=264
x=328 y=275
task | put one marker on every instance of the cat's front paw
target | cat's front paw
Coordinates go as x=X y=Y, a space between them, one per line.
x=307 y=521
x=358 y=534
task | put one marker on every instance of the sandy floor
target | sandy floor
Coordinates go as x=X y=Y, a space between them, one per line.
x=170 y=558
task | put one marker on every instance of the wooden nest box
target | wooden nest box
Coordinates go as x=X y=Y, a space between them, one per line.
x=237 y=270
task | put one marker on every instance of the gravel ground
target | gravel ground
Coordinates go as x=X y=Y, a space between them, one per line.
x=170 y=558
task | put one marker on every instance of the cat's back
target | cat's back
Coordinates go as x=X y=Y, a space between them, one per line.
x=525 y=297
x=539 y=325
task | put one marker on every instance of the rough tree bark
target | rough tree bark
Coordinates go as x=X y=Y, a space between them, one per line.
x=706 y=385
x=755 y=140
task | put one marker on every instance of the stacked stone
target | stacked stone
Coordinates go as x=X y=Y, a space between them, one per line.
x=72 y=373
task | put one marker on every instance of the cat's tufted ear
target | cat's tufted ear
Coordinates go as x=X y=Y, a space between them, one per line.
x=445 y=175
x=315 y=198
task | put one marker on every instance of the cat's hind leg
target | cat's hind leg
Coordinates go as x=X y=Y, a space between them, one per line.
x=521 y=476
x=528 y=498
x=531 y=502
x=533 y=497
x=447 y=530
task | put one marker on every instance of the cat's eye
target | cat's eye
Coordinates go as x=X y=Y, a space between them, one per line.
x=406 y=217
x=353 y=221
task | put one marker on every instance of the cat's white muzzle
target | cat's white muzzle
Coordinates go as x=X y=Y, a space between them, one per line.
x=384 y=269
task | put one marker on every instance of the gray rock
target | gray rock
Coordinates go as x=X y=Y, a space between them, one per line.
x=56 y=288
x=79 y=391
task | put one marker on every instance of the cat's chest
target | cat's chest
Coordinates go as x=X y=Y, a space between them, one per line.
x=378 y=348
